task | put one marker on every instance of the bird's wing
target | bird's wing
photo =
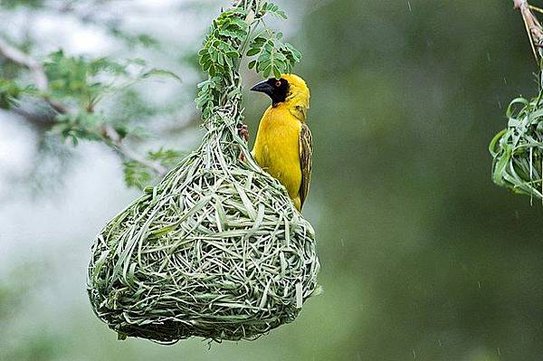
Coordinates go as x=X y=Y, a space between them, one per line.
x=306 y=152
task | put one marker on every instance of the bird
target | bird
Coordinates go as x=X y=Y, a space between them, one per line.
x=283 y=146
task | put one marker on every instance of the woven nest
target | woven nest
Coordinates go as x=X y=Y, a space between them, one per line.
x=517 y=151
x=215 y=250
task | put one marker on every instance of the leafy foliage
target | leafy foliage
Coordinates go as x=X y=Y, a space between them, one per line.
x=228 y=39
x=144 y=40
x=167 y=157
x=84 y=81
x=273 y=57
x=76 y=85
x=140 y=176
x=9 y=92
x=136 y=174
x=218 y=55
x=74 y=127
x=516 y=150
x=8 y=4
x=273 y=9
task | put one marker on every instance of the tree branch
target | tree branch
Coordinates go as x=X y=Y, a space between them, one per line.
x=110 y=136
x=18 y=57
x=113 y=138
x=40 y=78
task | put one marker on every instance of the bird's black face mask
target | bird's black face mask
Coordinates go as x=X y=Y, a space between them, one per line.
x=277 y=89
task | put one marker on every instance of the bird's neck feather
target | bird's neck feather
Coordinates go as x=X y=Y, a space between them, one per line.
x=298 y=103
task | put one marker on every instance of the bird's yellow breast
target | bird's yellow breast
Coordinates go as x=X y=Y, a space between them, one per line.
x=276 y=147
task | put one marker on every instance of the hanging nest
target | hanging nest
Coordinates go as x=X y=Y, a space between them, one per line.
x=216 y=249
x=517 y=151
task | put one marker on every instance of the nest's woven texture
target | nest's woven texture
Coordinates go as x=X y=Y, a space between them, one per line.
x=517 y=151
x=215 y=250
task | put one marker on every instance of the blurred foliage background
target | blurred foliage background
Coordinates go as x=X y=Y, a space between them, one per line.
x=423 y=258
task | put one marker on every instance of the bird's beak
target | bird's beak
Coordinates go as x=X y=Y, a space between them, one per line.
x=263 y=87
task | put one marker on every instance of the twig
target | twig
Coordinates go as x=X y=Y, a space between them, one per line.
x=113 y=138
x=40 y=78
x=532 y=25
x=20 y=58
x=110 y=136
x=41 y=121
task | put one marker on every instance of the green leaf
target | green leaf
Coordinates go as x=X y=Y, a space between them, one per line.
x=9 y=93
x=105 y=65
x=274 y=9
x=253 y=51
x=140 y=176
x=11 y=4
x=167 y=157
x=74 y=127
x=160 y=73
x=147 y=40
x=137 y=175
x=276 y=72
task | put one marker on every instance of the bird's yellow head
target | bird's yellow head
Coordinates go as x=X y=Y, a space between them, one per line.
x=289 y=89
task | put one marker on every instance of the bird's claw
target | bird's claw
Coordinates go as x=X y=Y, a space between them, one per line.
x=243 y=131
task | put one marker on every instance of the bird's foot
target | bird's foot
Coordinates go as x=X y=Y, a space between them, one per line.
x=243 y=132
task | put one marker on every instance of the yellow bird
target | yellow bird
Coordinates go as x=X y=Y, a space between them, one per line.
x=283 y=145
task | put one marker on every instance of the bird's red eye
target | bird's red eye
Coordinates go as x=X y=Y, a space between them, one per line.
x=278 y=83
